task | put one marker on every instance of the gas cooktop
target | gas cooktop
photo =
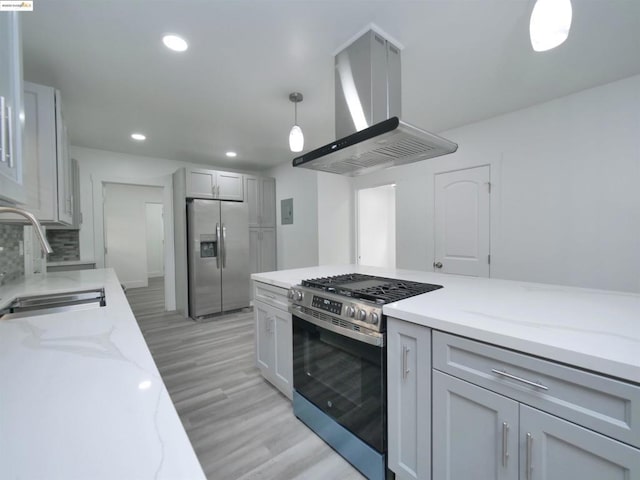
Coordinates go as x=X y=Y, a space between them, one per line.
x=380 y=290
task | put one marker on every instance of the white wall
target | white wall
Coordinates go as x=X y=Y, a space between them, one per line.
x=155 y=239
x=335 y=219
x=565 y=204
x=125 y=229
x=98 y=166
x=297 y=243
x=377 y=226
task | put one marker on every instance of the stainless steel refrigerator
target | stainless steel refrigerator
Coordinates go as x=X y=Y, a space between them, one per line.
x=218 y=250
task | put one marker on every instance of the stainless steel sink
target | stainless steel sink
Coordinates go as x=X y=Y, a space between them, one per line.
x=53 y=303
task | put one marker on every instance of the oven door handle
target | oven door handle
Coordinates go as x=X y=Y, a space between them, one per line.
x=376 y=339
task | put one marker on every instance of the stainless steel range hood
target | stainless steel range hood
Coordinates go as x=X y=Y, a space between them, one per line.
x=368 y=108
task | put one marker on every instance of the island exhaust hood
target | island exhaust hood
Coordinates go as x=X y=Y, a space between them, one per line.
x=368 y=106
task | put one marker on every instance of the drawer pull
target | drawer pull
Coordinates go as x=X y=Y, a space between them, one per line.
x=523 y=380
x=272 y=297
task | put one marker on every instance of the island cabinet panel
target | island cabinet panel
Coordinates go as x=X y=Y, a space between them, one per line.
x=486 y=397
x=409 y=399
x=273 y=330
x=603 y=404
x=554 y=449
x=475 y=431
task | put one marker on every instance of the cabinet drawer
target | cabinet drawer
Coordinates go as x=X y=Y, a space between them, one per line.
x=608 y=406
x=271 y=295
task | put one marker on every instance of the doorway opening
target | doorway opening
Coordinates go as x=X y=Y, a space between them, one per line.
x=376 y=235
x=134 y=233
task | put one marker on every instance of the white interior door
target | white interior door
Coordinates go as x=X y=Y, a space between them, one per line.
x=155 y=240
x=462 y=222
x=377 y=226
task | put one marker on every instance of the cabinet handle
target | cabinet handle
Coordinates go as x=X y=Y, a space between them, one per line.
x=529 y=466
x=505 y=449
x=218 y=189
x=519 y=379
x=272 y=297
x=405 y=361
x=3 y=132
x=10 y=137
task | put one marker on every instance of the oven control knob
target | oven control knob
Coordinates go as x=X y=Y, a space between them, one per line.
x=362 y=315
x=297 y=295
x=351 y=312
x=290 y=295
x=373 y=318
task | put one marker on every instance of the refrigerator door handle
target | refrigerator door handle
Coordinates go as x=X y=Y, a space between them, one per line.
x=224 y=246
x=218 y=244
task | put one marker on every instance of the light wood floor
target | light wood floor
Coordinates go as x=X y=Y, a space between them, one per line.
x=239 y=425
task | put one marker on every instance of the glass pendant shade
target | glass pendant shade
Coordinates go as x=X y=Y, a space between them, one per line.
x=296 y=139
x=550 y=24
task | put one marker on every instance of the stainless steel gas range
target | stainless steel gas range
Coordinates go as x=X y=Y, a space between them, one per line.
x=340 y=364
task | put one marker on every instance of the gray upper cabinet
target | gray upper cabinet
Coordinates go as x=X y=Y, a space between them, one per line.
x=48 y=171
x=213 y=184
x=11 y=104
x=261 y=196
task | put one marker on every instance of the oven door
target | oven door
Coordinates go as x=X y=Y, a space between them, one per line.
x=343 y=377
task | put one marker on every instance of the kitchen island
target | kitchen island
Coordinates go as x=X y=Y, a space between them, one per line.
x=597 y=330
x=518 y=377
x=80 y=395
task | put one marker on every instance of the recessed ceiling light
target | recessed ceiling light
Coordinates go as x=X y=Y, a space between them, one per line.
x=138 y=136
x=231 y=154
x=175 y=43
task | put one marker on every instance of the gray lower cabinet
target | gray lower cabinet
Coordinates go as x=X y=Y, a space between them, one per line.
x=408 y=399
x=554 y=449
x=495 y=427
x=475 y=432
x=273 y=337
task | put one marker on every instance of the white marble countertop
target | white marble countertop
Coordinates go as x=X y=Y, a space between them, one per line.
x=80 y=395
x=70 y=262
x=597 y=330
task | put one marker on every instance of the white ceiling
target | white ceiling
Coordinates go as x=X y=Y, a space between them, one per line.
x=463 y=61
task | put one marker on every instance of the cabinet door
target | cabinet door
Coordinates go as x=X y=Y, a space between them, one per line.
x=554 y=449
x=65 y=207
x=267 y=202
x=267 y=249
x=475 y=431
x=251 y=197
x=229 y=186
x=11 y=104
x=264 y=338
x=201 y=183
x=254 y=250
x=39 y=159
x=75 y=176
x=408 y=395
x=283 y=364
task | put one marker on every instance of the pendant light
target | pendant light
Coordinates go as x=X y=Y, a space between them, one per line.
x=550 y=24
x=296 y=138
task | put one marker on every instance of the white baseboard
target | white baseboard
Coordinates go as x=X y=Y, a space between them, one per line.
x=135 y=283
x=155 y=274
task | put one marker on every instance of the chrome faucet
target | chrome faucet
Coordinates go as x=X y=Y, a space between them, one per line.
x=34 y=221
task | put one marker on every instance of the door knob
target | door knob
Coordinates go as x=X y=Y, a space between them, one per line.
x=437 y=264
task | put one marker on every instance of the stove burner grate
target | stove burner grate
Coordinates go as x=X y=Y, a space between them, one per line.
x=380 y=290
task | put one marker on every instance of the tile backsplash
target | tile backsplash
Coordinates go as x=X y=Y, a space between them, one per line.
x=11 y=262
x=65 y=244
